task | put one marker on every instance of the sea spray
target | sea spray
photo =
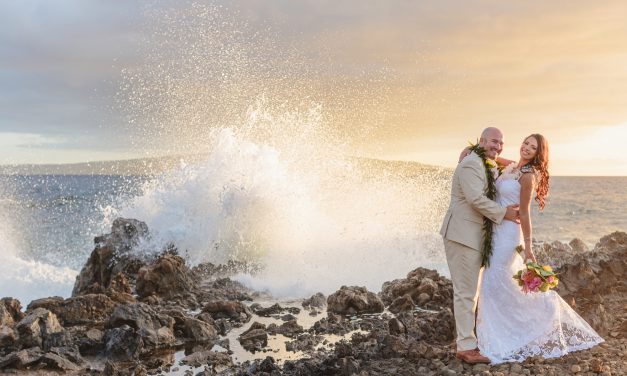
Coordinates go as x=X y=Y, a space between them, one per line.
x=275 y=183
x=21 y=276
x=312 y=223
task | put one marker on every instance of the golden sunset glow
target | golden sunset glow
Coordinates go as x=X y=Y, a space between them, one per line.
x=434 y=73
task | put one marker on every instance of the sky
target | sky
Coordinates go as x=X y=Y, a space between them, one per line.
x=423 y=77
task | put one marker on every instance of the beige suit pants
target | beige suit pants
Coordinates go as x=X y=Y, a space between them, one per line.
x=464 y=264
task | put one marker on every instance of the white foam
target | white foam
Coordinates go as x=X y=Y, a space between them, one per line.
x=27 y=280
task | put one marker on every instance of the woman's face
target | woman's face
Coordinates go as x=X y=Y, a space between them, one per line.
x=529 y=148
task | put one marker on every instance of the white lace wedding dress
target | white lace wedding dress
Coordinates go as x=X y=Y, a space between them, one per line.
x=512 y=325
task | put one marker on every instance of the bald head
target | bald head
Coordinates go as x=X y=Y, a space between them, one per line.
x=492 y=141
x=491 y=132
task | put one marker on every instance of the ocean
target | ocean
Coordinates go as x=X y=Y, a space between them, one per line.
x=310 y=242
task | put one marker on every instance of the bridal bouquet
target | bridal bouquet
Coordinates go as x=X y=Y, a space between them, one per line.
x=535 y=277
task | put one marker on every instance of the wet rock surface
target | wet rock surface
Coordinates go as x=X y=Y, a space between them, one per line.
x=111 y=256
x=255 y=338
x=135 y=314
x=169 y=279
x=84 y=309
x=225 y=309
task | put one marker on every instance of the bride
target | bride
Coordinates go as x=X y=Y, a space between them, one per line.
x=512 y=325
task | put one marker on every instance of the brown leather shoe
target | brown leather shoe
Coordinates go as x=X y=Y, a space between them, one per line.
x=472 y=357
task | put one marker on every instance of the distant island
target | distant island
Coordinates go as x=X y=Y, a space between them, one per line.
x=139 y=166
x=156 y=165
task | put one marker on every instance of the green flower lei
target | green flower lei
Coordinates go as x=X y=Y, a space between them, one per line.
x=490 y=192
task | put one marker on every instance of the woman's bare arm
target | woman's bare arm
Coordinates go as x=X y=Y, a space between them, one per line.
x=502 y=162
x=527 y=184
x=464 y=153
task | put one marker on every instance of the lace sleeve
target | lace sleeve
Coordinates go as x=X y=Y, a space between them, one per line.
x=527 y=168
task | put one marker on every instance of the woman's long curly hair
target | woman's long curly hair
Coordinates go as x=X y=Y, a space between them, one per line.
x=540 y=164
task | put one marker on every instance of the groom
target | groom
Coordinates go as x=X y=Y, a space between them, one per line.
x=462 y=231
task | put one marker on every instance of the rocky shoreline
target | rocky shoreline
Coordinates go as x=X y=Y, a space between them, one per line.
x=135 y=316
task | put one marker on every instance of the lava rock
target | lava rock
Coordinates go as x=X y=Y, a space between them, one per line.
x=123 y=343
x=396 y=327
x=36 y=327
x=155 y=329
x=84 y=309
x=58 y=362
x=578 y=245
x=21 y=359
x=168 y=277
x=199 y=358
x=199 y=331
x=111 y=256
x=289 y=329
x=402 y=304
x=425 y=287
x=8 y=338
x=303 y=342
x=255 y=338
x=354 y=300
x=223 y=289
x=225 y=309
x=90 y=341
x=433 y=327
x=10 y=311
x=315 y=301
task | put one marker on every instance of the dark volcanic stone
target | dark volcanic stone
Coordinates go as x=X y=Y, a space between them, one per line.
x=594 y=282
x=111 y=256
x=21 y=359
x=396 y=327
x=168 y=277
x=8 y=338
x=303 y=342
x=155 y=329
x=56 y=361
x=332 y=324
x=354 y=300
x=288 y=329
x=63 y=338
x=90 y=341
x=10 y=311
x=226 y=309
x=36 y=327
x=79 y=310
x=578 y=245
x=223 y=289
x=315 y=301
x=199 y=358
x=199 y=331
x=425 y=287
x=433 y=327
x=402 y=304
x=255 y=338
x=123 y=343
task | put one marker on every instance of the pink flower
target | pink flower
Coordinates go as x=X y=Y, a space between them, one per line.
x=527 y=275
x=535 y=283
x=550 y=279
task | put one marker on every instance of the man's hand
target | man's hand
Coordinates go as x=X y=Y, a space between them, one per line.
x=513 y=214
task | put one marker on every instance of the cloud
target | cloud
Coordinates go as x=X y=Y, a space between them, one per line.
x=57 y=62
x=450 y=68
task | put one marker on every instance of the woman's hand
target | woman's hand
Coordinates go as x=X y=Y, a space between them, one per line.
x=528 y=255
x=464 y=153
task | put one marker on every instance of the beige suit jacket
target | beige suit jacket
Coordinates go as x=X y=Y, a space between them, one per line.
x=463 y=222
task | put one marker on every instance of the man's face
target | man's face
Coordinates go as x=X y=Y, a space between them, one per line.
x=492 y=143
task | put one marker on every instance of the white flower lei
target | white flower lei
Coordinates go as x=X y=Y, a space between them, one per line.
x=511 y=172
